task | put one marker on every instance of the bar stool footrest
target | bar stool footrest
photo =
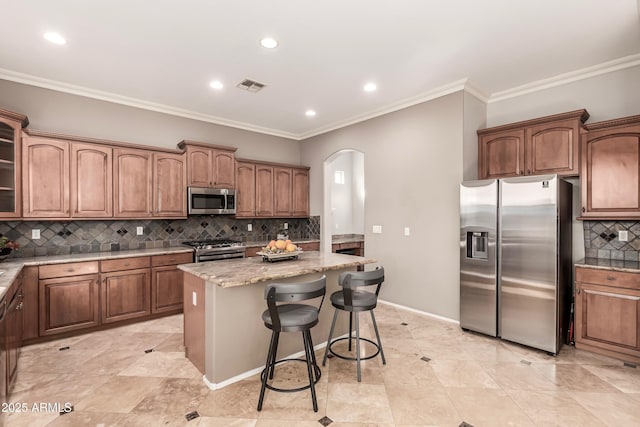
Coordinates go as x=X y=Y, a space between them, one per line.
x=316 y=370
x=354 y=358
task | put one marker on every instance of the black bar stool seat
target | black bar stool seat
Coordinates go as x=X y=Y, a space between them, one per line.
x=289 y=316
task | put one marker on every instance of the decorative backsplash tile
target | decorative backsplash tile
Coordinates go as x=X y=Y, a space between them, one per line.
x=57 y=238
x=601 y=240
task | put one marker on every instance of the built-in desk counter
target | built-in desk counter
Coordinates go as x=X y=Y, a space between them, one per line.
x=224 y=335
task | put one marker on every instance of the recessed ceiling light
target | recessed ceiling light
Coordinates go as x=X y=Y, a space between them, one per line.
x=269 y=43
x=310 y=113
x=216 y=84
x=370 y=87
x=54 y=38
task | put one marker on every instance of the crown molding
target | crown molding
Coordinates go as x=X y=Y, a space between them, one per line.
x=566 y=78
x=472 y=89
x=390 y=108
x=136 y=103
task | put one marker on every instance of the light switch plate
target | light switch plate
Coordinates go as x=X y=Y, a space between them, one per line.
x=139 y=231
x=623 y=235
x=35 y=233
x=377 y=229
x=194 y=299
x=286 y=225
x=407 y=232
x=249 y=227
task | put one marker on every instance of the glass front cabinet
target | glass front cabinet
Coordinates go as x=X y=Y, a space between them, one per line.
x=11 y=125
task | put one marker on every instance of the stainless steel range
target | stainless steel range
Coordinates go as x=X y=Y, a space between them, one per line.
x=217 y=249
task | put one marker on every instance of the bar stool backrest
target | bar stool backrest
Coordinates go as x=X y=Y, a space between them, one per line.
x=291 y=293
x=358 y=279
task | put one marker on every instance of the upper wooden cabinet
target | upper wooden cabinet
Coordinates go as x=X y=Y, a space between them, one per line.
x=209 y=166
x=546 y=145
x=91 y=181
x=610 y=177
x=245 y=189
x=271 y=190
x=10 y=163
x=45 y=178
x=169 y=185
x=132 y=186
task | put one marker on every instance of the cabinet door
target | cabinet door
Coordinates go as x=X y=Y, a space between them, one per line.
x=501 y=154
x=125 y=295
x=224 y=169
x=552 y=148
x=608 y=318
x=282 y=192
x=169 y=185
x=264 y=190
x=199 y=167
x=132 y=183
x=68 y=303
x=300 y=192
x=10 y=166
x=166 y=289
x=91 y=181
x=245 y=189
x=14 y=324
x=45 y=178
x=610 y=180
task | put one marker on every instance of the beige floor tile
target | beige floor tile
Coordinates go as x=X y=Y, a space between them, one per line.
x=77 y=418
x=574 y=378
x=26 y=380
x=154 y=364
x=461 y=373
x=488 y=407
x=416 y=405
x=119 y=394
x=554 y=408
x=410 y=370
x=372 y=403
x=175 y=396
x=238 y=400
x=614 y=409
x=148 y=420
x=110 y=362
x=174 y=342
x=54 y=361
x=345 y=371
x=29 y=419
x=623 y=378
x=185 y=369
x=286 y=423
x=517 y=376
x=66 y=388
x=225 y=422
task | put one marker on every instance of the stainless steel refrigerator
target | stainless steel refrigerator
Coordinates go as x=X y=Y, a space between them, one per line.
x=515 y=259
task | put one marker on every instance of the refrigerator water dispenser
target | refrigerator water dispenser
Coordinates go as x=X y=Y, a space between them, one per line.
x=478 y=245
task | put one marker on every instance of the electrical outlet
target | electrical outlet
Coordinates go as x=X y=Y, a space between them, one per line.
x=139 y=231
x=286 y=225
x=377 y=229
x=35 y=233
x=249 y=227
x=623 y=235
x=194 y=299
x=407 y=232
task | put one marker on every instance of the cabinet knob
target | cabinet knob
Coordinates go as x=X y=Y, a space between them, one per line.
x=528 y=171
x=70 y=270
x=610 y=278
x=583 y=209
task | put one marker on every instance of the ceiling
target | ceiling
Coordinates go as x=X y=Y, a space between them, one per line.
x=162 y=54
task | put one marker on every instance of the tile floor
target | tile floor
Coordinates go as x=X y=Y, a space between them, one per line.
x=436 y=375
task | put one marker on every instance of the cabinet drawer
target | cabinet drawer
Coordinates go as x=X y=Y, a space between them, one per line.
x=313 y=246
x=172 y=259
x=124 y=264
x=71 y=269
x=618 y=279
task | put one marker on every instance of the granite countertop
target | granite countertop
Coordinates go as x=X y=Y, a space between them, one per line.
x=340 y=239
x=12 y=267
x=262 y=244
x=239 y=272
x=610 y=264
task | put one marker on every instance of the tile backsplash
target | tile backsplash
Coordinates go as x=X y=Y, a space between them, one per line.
x=601 y=240
x=57 y=238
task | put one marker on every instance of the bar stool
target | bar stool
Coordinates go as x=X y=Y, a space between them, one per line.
x=354 y=301
x=290 y=317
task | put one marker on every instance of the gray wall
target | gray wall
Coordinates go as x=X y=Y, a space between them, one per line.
x=475 y=117
x=413 y=168
x=64 y=113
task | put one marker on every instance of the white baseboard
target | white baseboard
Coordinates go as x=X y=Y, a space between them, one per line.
x=424 y=313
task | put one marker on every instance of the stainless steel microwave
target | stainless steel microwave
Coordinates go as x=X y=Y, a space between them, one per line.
x=211 y=201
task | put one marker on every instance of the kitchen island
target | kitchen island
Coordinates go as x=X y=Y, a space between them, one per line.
x=224 y=335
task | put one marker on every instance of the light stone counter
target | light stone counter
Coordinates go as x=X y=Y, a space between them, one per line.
x=610 y=264
x=11 y=268
x=224 y=335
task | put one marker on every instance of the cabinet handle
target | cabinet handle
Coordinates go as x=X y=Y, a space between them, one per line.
x=583 y=209
x=611 y=278
x=126 y=264
x=70 y=270
x=19 y=307
x=528 y=171
x=579 y=289
x=172 y=260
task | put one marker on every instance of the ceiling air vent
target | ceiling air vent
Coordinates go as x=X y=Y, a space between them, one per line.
x=250 y=85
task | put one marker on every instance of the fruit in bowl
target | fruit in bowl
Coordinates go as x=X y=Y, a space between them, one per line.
x=280 y=246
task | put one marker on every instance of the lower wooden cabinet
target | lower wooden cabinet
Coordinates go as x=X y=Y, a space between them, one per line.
x=167 y=282
x=607 y=312
x=13 y=333
x=68 y=303
x=125 y=295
